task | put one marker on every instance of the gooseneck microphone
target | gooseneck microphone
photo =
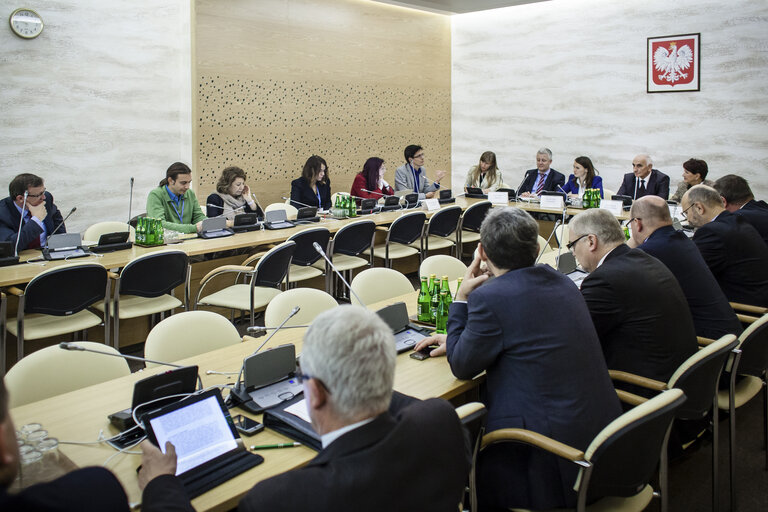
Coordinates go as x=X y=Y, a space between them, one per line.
x=257 y=331
x=374 y=192
x=21 y=222
x=541 y=253
x=325 y=257
x=299 y=202
x=130 y=201
x=211 y=205
x=525 y=177
x=73 y=210
x=560 y=242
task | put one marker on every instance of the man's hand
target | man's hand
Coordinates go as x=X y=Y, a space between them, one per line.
x=39 y=211
x=199 y=226
x=155 y=463
x=435 y=339
x=473 y=278
x=440 y=175
x=527 y=194
x=230 y=223
x=429 y=195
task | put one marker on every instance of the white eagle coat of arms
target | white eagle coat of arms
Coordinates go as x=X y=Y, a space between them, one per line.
x=672 y=63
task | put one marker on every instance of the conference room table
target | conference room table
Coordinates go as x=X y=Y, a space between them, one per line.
x=80 y=416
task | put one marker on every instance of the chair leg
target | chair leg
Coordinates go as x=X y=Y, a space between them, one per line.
x=732 y=436
x=715 y=450
x=765 y=417
x=663 y=469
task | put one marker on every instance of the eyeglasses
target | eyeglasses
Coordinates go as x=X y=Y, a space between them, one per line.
x=683 y=212
x=570 y=245
x=303 y=376
x=420 y=155
x=633 y=219
x=35 y=196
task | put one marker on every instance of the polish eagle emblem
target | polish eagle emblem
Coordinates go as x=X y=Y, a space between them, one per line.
x=673 y=62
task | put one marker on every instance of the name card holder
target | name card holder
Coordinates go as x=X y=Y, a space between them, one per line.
x=552 y=202
x=431 y=204
x=615 y=207
x=498 y=198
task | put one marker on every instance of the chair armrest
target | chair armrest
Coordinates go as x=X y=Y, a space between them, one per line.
x=223 y=270
x=631 y=378
x=529 y=437
x=382 y=228
x=746 y=319
x=630 y=398
x=15 y=291
x=248 y=338
x=704 y=341
x=112 y=275
x=748 y=308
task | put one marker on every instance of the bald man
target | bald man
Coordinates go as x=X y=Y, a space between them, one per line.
x=644 y=180
x=652 y=232
x=731 y=247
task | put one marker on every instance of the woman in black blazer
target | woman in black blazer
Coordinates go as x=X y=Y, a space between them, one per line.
x=314 y=187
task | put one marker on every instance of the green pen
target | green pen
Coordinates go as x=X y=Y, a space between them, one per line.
x=272 y=446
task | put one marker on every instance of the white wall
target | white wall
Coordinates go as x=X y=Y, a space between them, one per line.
x=102 y=95
x=570 y=75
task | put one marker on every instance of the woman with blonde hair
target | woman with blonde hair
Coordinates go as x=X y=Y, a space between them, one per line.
x=485 y=175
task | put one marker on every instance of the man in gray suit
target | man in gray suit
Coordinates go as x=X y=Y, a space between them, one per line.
x=412 y=177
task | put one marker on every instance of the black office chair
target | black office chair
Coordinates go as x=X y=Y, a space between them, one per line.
x=405 y=230
x=440 y=227
x=344 y=251
x=469 y=225
x=305 y=255
x=472 y=416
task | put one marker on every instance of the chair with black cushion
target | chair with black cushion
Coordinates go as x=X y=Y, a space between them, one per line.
x=56 y=302
x=698 y=378
x=617 y=466
x=472 y=416
x=440 y=231
x=405 y=230
x=145 y=287
x=94 y=232
x=305 y=255
x=263 y=282
x=469 y=225
x=344 y=251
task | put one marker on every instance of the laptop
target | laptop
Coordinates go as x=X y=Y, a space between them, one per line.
x=306 y=215
x=110 y=242
x=406 y=334
x=391 y=203
x=215 y=227
x=475 y=193
x=209 y=450
x=246 y=222
x=269 y=379
x=64 y=246
x=277 y=219
x=446 y=197
x=7 y=254
x=368 y=206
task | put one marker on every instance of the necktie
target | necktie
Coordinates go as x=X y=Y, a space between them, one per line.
x=541 y=183
x=35 y=242
x=641 y=189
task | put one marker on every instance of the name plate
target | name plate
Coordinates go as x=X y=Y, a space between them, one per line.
x=615 y=207
x=552 y=202
x=501 y=198
x=432 y=204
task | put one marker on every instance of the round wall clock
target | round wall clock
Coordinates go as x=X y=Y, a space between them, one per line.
x=26 y=23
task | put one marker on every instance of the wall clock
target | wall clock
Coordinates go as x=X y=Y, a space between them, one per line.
x=26 y=23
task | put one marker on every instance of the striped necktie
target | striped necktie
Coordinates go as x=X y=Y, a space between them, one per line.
x=542 y=179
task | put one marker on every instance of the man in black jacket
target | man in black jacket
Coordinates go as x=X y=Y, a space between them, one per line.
x=41 y=216
x=543 y=178
x=739 y=199
x=644 y=180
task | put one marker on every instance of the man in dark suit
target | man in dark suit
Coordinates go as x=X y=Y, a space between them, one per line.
x=636 y=304
x=739 y=199
x=652 y=232
x=544 y=372
x=41 y=216
x=82 y=490
x=372 y=460
x=644 y=180
x=543 y=177
x=732 y=248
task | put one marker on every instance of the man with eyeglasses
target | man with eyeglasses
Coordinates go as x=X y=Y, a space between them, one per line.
x=412 y=176
x=637 y=307
x=732 y=248
x=32 y=206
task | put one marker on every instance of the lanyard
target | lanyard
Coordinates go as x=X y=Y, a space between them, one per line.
x=415 y=178
x=319 y=201
x=174 y=201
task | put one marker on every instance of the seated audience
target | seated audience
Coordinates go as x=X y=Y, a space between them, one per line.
x=174 y=203
x=732 y=248
x=739 y=199
x=694 y=173
x=485 y=175
x=412 y=176
x=232 y=196
x=542 y=178
x=652 y=232
x=644 y=180
x=544 y=372
x=584 y=176
x=313 y=188
x=40 y=215
x=369 y=183
x=638 y=309
x=369 y=450
x=86 y=489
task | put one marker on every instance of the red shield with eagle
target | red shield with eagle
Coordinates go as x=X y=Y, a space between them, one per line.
x=673 y=62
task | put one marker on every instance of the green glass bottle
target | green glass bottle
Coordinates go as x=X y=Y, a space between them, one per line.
x=150 y=232
x=588 y=199
x=596 y=199
x=424 y=302
x=458 y=285
x=336 y=201
x=352 y=207
x=160 y=232
x=140 y=230
x=431 y=283
x=435 y=299
x=447 y=289
x=441 y=320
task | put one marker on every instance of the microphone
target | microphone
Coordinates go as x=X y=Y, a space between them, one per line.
x=541 y=253
x=517 y=190
x=299 y=202
x=222 y=209
x=634 y=196
x=563 y=191
x=560 y=242
x=74 y=208
x=373 y=192
x=72 y=346
x=257 y=331
x=21 y=222
x=325 y=257
x=130 y=201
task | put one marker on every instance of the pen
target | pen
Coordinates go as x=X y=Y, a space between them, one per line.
x=271 y=446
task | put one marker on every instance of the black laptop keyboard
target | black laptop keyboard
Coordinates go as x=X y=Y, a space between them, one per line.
x=219 y=473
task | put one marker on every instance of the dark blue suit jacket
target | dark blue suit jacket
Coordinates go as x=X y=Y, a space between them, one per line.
x=302 y=192
x=554 y=179
x=544 y=372
x=10 y=217
x=712 y=316
x=756 y=213
x=572 y=187
x=657 y=184
x=737 y=257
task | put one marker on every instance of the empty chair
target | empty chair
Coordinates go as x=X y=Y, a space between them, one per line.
x=377 y=284
x=55 y=302
x=95 y=231
x=405 y=230
x=263 y=282
x=469 y=225
x=608 y=193
x=305 y=254
x=543 y=245
x=188 y=334
x=345 y=249
x=52 y=371
x=472 y=416
x=443 y=265
x=310 y=301
x=290 y=210
x=441 y=230
x=561 y=234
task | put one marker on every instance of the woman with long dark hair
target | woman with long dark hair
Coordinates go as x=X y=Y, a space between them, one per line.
x=313 y=188
x=584 y=176
x=371 y=179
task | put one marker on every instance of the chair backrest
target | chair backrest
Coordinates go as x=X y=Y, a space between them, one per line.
x=753 y=343
x=543 y=245
x=445 y=221
x=188 y=334
x=407 y=228
x=353 y=238
x=84 y=283
x=52 y=371
x=561 y=234
x=273 y=266
x=377 y=284
x=93 y=233
x=443 y=265
x=305 y=253
x=473 y=216
x=624 y=455
x=154 y=274
x=311 y=301
x=290 y=210
x=472 y=416
x=608 y=193
x=699 y=375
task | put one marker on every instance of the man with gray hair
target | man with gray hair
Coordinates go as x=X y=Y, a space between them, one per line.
x=372 y=441
x=732 y=248
x=644 y=180
x=543 y=177
x=544 y=372
x=637 y=307
x=652 y=232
